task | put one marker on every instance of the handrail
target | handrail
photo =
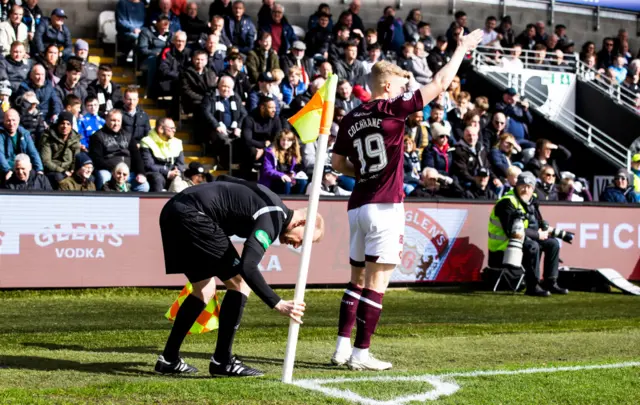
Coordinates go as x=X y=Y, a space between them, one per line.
x=618 y=93
x=528 y=58
x=576 y=126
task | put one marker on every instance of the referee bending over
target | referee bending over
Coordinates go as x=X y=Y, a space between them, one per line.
x=195 y=226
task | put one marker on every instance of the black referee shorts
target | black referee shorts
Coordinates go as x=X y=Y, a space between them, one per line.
x=194 y=245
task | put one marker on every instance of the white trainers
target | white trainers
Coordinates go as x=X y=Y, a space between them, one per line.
x=340 y=358
x=370 y=363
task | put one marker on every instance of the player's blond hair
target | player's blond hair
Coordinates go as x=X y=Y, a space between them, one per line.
x=384 y=71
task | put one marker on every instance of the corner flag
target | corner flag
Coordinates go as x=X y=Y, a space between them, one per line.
x=311 y=121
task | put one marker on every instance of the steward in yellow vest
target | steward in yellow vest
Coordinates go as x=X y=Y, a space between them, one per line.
x=162 y=155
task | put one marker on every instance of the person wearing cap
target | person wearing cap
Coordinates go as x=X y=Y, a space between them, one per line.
x=329 y=185
x=162 y=9
x=130 y=19
x=59 y=146
x=438 y=154
x=436 y=185
x=500 y=155
x=518 y=117
x=24 y=177
x=620 y=191
x=50 y=104
x=162 y=155
x=13 y=30
x=262 y=58
x=15 y=140
x=298 y=59
x=239 y=28
x=439 y=56
x=235 y=70
x=264 y=88
x=89 y=70
x=280 y=30
x=521 y=203
x=318 y=39
x=15 y=65
x=573 y=189
x=479 y=189
x=196 y=81
x=53 y=31
x=194 y=175
x=81 y=178
x=173 y=61
x=31 y=118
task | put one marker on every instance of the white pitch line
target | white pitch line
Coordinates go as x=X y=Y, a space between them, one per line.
x=440 y=387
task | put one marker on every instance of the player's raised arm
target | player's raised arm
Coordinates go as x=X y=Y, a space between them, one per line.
x=444 y=77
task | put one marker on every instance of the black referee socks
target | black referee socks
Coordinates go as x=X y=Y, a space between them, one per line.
x=189 y=311
x=230 y=316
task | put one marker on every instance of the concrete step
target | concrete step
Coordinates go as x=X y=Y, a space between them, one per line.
x=147 y=102
x=97 y=60
x=156 y=112
x=192 y=147
x=124 y=80
x=97 y=51
x=204 y=160
x=184 y=135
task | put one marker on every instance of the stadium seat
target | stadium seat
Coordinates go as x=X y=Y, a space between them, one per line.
x=508 y=275
x=299 y=31
x=107 y=27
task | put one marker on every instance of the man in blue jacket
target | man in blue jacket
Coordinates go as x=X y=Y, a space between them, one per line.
x=15 y=140
x=620 y=191
x=50 y=104
x=240 y=29
x=54 y=32
x=130 y=17
x=280 y=29
x=518 y=117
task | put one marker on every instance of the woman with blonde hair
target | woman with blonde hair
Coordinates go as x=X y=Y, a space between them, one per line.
x=454 y=90
x=282 y=165
x=500 y=154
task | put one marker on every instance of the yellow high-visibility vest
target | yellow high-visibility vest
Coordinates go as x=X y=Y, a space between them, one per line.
x=498 y=239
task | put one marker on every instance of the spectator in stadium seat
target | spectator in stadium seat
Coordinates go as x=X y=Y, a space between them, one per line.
x=240 y=29
x=340 y=39
x=411 y=63
x=281 y=164
x=280 y=30
x=161 y=11
x=162 y=155
x=266 y=82
x=216 y=26
x=50 y=105
x=293 y=86
x=606 y=56
x=52 y=63
x=262 y=58
x=196 y=81
x=195 y=174
x=318 y=39
x=460 y=21
x=302 y=99
x=411 y=166
x=150 y=45
x=439 y=153
x=572 y=189
x=173 y=61
x=561 y=34
x=324 y=70
x=374 y=56
x=110 y=146
x=468 y=157
x=89 y=70
x=297 y=58
x=90 y=122
x=215 y=56
x=470 y=119
x=436 y=114
x=424 y=31
x=345 y=98
x=588 y=49
x=192 y=24
x=457 y=114
x=631 y=81
x=618 y=70
x=410 y=27
x=16 y=66
x=32 y=16
x=70 y=82
x=264 y=14
x=130 y=19
x=73 y=105
x=457 y=33
x=482 y=106
x=541 y=32
x=390 y=32
x=500 y=154
x=436 y=185
x=527 y=38
x=13 y=30
x=439 y=56
x=31 y=117
x=545 y=155
x=546 y=187
x=53 y=31
x=107 y=92
x=223 y=8
x=506 y=31
x=259 y=131
x=553 y=43
x=479 y=189
x=354 y=10
x=81 y=179
x=24 y=177
x=179 y=7
x=620 y=191
x=329 y=185
x=489 y=34
x=513 y=61
x=235 y=70
x=518 y=116
x=313 y=21
x=15 y=140
x=540 y=61
x=559 y=63
x=59 y=146
x=119 y=181
x=134 y=119
x=417 y=130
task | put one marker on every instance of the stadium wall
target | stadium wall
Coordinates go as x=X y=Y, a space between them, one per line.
x=56 y=241
x=83 y=15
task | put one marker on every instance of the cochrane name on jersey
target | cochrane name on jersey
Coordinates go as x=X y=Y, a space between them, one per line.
x=364 y=123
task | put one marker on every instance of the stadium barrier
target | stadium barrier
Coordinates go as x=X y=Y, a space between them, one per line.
x=51 y=241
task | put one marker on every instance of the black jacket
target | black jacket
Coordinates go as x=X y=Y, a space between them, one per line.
x=215 y=62
x=476 y=193
x=63 y=91
x=436 y=60
x=507 y=213
x=256 y=129
x=288 y=60
x=242 y=85
x=241 y=33
x=318 y=40
x=46 y=34
x=466 y=163
x=115 y=95
x=444 y=191
x=194 y=27
x=194 y=87
x=108 y=148
x=137 y=125
x=354 y=73
x=16 y=72
x=150 y=43
x=547 y=192
x=558 y=156
x=213 y=116
x=89 y=73
x=37 y=182
x=171 y=65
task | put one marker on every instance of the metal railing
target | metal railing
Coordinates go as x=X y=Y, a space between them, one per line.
x=578 y=128
x=498 y=56
x=621 y=95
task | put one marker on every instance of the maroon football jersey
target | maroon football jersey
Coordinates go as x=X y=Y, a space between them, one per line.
x=371 y=136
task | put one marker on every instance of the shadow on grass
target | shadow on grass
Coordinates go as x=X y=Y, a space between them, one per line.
x=47 y=364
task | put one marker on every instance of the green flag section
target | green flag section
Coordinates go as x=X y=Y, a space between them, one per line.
x=318 y=113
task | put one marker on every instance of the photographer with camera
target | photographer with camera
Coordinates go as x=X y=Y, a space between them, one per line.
x=518 y=236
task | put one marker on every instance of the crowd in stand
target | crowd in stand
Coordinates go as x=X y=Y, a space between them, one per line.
x=237 y=78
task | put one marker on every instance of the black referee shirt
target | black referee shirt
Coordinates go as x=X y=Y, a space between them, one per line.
x=250 y=211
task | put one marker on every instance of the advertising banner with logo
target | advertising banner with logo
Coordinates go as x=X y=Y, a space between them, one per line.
x=74 y=241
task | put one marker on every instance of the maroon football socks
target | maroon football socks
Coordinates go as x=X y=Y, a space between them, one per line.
x=367 y=316
x=348 y=308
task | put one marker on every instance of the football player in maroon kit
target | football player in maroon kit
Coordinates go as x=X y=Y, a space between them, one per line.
x=370 y=148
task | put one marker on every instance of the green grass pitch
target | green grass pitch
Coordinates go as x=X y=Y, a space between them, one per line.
x=99 y=347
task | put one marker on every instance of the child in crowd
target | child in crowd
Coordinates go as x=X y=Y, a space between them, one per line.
x=281 y=168
x=293 y=86
x=90 y=122
x=278 y=75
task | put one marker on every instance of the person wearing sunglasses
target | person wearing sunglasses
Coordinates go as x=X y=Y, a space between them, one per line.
x=546 y=188
x=619 y=191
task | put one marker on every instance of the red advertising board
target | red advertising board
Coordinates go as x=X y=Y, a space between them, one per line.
x=87 y=241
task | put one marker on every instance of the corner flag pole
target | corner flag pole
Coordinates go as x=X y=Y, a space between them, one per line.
x=309 y=229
